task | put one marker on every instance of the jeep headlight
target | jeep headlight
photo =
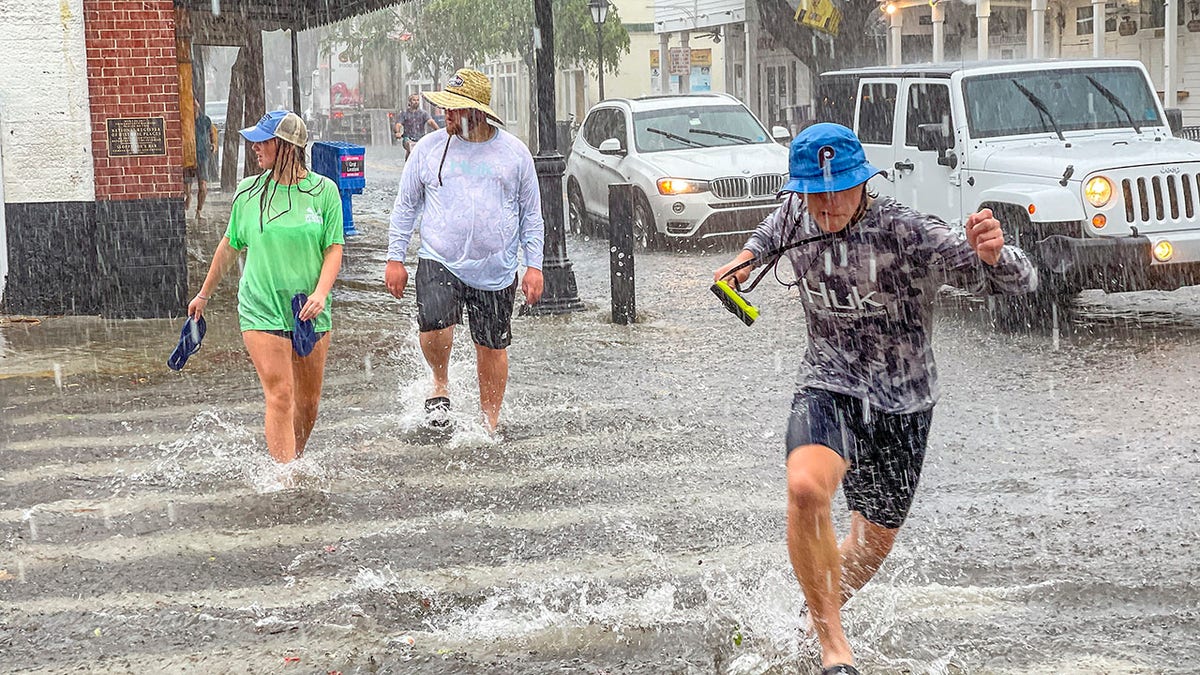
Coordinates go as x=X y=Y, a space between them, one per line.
x=1098 y=191
x=681 y=186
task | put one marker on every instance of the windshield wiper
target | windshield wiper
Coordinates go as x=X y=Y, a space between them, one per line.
x=1041 y=108
x=1114 y=101
x=676 y=137
x=720 y=134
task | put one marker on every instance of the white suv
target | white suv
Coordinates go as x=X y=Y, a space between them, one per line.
x=703 y=164
x=1077 y=158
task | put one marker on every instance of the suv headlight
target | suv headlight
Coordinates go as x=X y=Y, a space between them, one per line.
x=681 y=186
x=1098 y=191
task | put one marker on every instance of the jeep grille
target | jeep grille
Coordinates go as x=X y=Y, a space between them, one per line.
x=736 y=187
x=1158 y=198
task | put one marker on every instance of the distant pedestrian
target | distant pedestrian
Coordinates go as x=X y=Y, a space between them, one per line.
x=475 y=192
x=414 y=124
x=206 y=147
x=868 y=270
x=288 y=220
x=439 y=118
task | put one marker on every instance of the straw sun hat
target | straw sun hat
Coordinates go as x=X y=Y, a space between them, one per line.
x=466 y=89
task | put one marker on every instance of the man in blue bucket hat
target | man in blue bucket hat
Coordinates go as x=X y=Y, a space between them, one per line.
x=867 y=272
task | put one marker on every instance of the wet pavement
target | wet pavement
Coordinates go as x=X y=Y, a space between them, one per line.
x=629 y=521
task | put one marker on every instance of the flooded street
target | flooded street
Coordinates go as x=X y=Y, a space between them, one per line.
x=630 y=521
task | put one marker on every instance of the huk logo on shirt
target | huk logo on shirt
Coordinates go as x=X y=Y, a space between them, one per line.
x=311 y=216
x=854 y=301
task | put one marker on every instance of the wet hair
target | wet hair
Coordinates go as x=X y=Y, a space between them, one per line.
x=288 y=159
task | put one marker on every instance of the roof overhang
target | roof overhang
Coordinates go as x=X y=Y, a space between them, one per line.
x=270 y=14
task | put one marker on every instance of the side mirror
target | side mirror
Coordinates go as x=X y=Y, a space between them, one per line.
x=611 y=146
x=932 y=137
x=781 y=134
x=1174 y=119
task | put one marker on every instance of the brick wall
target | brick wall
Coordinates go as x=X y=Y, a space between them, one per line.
x=132 y=73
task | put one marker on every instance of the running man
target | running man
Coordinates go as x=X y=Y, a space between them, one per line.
x=867 y=383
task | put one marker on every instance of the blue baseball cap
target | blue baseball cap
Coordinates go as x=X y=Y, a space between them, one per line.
x=827 y=157
x=277 y=124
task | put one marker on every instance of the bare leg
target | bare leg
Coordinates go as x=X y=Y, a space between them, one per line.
x=187 y=195
x=863 y=551
x=309 y=374
x=435 y=345
x=201 y=193
x=272 y=357
x=814 y=472
x=492 y=367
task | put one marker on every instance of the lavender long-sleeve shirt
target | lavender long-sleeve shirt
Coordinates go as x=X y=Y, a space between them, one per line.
x=868 y=295
x=480 y=216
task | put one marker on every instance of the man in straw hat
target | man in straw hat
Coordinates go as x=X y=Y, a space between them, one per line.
x=868 y=270
x=475 y=192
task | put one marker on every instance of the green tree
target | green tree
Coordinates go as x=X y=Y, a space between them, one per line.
x=443 y=35
x=844 y=50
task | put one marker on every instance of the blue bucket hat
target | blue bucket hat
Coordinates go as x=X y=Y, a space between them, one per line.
x=827 y=146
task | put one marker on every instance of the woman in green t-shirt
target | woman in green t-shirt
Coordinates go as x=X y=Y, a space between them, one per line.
x=288 y=220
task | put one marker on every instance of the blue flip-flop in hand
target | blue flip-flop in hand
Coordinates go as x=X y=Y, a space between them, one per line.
x=190 y=337
x=304 y=338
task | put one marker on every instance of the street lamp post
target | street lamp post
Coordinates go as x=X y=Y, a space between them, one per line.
x=560 y=295
x=599 y=14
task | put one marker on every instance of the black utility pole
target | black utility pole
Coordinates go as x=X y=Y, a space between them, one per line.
x=560 y=294
x=600 y=56
x=599 y=9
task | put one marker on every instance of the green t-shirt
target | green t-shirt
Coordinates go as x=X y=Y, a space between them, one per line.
x=285 y=248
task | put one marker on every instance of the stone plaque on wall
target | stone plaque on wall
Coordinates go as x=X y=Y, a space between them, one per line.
x=136 y=136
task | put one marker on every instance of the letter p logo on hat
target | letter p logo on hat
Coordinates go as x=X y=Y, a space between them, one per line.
x=824 y=155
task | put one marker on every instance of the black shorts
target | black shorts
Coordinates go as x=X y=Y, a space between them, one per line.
x=287 y=334
x=885 y=451
x=440 y=299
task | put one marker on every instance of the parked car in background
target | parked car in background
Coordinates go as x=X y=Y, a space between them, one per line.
x=703 y=166
x=216 y=112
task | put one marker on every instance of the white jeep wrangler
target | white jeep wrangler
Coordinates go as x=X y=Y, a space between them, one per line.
x=1076 y=158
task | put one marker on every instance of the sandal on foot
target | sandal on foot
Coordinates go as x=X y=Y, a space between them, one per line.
x=840 y=669
x=437 y=411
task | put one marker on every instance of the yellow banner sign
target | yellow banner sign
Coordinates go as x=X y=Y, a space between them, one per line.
x=819 y=15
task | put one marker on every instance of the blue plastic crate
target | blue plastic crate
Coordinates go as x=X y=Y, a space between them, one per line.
x=344 y=164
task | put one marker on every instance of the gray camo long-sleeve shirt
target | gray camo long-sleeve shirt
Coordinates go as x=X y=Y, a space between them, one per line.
x=868 y=295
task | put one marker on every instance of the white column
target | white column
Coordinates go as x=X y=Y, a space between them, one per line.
x=1056 y=33
x=1037 y=30
x=685 y=80
x=939 y=33
x=1170 y=42
x=1097 y=28
x=751 y=75
x=983 y=11
x=664 y=63
x=894 y=54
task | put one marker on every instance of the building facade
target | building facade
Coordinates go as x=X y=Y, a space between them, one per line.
x=91 y=157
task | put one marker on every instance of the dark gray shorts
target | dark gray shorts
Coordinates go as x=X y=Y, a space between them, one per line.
x=885 y=451
x=441 y=297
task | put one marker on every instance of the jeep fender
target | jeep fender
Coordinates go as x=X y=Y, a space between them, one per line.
x=1052 y=203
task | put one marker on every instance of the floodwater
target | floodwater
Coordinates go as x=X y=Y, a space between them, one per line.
x=631 y=518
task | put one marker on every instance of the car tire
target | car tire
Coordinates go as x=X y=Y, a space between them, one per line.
x=577 y=220
x=1053 y=298
x=645 y=233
